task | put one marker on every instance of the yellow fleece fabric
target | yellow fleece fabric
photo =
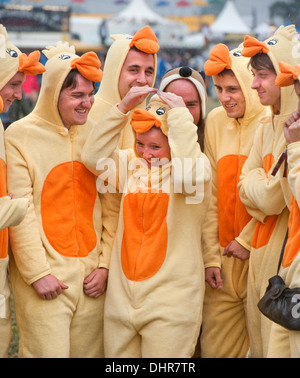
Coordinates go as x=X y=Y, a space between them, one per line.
x=12 y=211
x=61 y=232
x=108 y=94
x=227 y=145
x=156 y=260
x=267 y=197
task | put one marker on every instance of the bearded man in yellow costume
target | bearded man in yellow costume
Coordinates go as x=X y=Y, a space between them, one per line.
x=13 y=67
x=58 y=270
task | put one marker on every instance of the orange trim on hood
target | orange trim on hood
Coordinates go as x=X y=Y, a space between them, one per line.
x=219 y=60
x=30 y=64
x=142 y=121
x=145 y=40
x=89 y=66
x=288 y=74
x=253 y=46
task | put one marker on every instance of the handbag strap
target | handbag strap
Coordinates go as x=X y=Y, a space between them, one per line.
x=282 y=250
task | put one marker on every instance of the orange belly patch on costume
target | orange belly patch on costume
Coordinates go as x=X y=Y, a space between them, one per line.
x=67 y=206
x=145 y=236
x=232 y=213
x=293 y=242
x=3 y=192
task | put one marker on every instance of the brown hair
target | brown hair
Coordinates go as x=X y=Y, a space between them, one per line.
x=226 y=71
x=261 y=61
x=71 y=80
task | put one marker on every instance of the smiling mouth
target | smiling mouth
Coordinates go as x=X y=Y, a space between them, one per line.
x=231 y=106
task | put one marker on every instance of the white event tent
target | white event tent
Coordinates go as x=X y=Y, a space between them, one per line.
x=229 y=21
x=137 y=15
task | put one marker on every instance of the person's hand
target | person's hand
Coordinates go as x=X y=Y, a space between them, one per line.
x=134 y=97
x=171 y=99
x=213 y=277
x=235 y=249
x=49 y=287
x=291 y=128
x=95 y=283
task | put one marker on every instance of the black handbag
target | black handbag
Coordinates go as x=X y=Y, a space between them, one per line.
x=280 y=303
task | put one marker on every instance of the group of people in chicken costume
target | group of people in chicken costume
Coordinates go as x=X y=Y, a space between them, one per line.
x=114 y=212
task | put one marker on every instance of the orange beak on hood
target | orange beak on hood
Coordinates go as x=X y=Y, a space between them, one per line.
x=142 y=121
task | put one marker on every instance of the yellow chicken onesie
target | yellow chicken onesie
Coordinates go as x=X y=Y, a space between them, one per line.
x=153 y=306
x=291 y=258
x=108 y=96
x=12 y=211
x=267 y=195
x=227 y=145
x=61 y=232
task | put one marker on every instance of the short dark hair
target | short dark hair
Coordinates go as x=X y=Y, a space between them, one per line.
x=226 y=71
x=71 y=80
x=262 y=61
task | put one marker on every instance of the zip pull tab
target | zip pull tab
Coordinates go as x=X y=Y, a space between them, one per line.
x=282 y=159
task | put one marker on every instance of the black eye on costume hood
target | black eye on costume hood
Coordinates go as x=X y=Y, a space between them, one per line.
x=160 y=111
x=64 y=57
x=237 y=53
x=272 y=42
x=12 y=53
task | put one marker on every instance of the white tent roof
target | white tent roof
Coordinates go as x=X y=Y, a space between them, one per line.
x=196 y=40
x=139 y=12
x=229 y=22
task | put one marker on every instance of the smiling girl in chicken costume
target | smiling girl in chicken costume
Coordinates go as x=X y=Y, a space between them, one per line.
x=153 y=304
x=12 y=211
x=263 y=185
x=56 y=249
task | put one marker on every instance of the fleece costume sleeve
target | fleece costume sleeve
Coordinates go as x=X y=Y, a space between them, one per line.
x=103 y=139
x=259 y=188
x=293 y=151
x=181 y=130
x=211 y=250
x=26 y=243
x=12 y=211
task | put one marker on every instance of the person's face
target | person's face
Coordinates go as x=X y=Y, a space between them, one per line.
x=137 y=71
x=152 y=144
x=12 y=90
x=187 y=90
x=264 y=83
x=230 y=95
x=74 y=104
